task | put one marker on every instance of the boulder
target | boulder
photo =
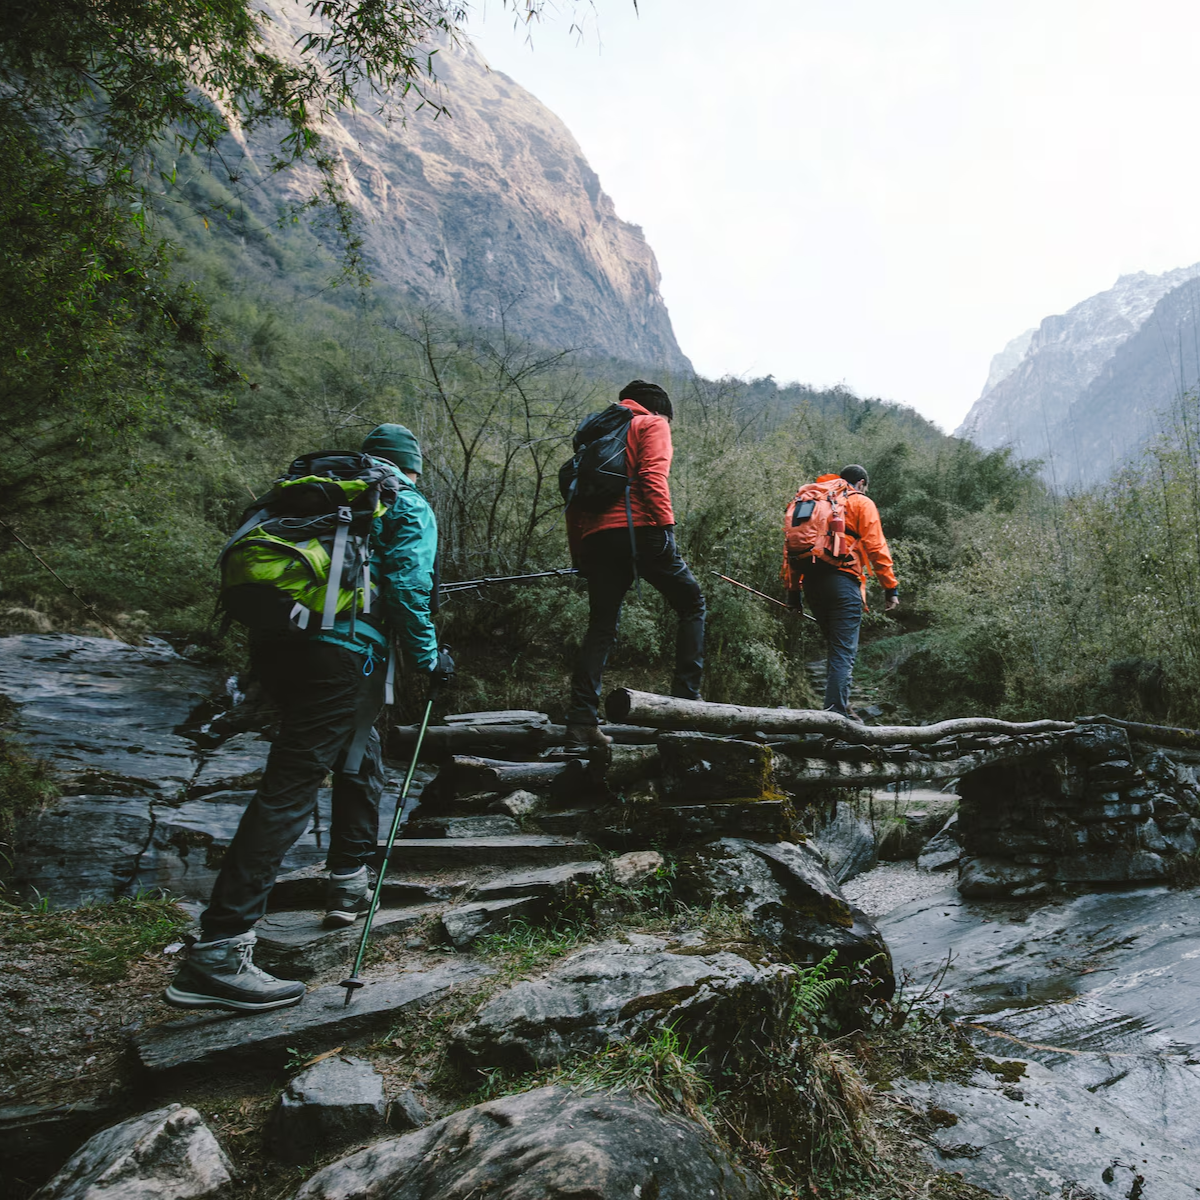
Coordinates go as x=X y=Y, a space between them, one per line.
x=547 y=1144
x=636 y=867
x=335 y=1101
x=987 y=876
x=518 y=804
x=846 y=842
x=407 y=1112
x=790 y=898
x=942 y=852
x=168 y=1154
x=611 y=992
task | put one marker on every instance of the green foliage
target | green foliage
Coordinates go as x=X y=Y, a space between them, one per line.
x=100 y=941
x=27 y=784
x=812 y=990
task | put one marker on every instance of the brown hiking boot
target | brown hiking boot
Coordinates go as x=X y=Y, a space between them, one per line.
x=586 y=737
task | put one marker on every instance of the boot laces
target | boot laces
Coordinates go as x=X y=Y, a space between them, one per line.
x=247 y=963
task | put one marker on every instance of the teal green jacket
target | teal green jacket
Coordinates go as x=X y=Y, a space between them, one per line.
x=404 y=544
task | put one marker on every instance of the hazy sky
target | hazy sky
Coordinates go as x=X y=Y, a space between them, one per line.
x=876 y=192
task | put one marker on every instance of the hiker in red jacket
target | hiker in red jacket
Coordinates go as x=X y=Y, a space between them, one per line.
x=602 y=546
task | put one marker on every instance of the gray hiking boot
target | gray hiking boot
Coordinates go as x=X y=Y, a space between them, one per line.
x=586 y=737
x=223 y=975
x=347 y=897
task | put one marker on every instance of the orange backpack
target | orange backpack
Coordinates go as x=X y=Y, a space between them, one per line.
x=814 y=527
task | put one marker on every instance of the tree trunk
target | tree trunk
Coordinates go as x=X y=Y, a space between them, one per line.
x=1159 y=735
x=441 y=742
x=668 y=712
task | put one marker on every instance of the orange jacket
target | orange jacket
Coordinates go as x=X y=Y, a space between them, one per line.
x=871 y=553
x=648 y=461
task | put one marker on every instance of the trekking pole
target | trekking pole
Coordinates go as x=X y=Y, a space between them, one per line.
x=448 y=589
x=354 y=982
x=763 y=596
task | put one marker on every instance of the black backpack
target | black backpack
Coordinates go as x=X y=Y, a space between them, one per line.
x=597 y=475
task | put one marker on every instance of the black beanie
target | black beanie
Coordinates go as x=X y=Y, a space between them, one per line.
x=648 y=395
x=854 y=474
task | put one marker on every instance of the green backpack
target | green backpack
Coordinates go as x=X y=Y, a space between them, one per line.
x=302 y=553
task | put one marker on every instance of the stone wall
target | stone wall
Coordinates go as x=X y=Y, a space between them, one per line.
x=1098 y=810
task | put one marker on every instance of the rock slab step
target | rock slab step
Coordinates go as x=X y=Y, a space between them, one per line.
x=547 y=1144
x=168 y=1154
x=297 y=945
x=305 y=888
x=531 y=850
x=225 y=1038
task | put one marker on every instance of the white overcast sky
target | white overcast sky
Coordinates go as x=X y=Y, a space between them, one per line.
x=880 y=192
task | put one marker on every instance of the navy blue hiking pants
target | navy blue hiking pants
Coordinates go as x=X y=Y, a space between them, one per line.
x=835 y=599
x=323 y=696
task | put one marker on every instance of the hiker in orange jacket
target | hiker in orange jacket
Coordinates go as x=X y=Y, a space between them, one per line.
x=837 y=595
x=601 y=548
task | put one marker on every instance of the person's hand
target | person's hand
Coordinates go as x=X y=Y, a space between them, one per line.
x=795 y=601
x=442 y=671
x=892 y=601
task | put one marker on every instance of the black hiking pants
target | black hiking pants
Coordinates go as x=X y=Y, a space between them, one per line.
x=323 y=697
x=606 y=561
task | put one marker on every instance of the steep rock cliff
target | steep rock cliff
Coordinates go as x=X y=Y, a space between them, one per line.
x=1038 y=404
x=491 y=214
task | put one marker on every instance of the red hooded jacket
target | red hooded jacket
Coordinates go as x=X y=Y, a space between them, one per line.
x=648 y=461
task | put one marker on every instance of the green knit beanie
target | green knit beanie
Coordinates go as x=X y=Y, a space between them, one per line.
x=396 y=444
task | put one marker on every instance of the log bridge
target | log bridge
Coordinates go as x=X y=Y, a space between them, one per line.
x=1071 y=792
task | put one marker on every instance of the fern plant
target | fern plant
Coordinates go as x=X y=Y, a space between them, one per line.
x=812 y=989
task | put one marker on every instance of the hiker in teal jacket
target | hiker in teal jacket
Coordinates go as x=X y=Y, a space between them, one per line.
x=330 y=689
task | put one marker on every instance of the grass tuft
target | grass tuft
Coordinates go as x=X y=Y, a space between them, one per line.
x=101 y=940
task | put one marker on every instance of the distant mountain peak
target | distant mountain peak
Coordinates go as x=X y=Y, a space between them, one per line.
x=1038 y=395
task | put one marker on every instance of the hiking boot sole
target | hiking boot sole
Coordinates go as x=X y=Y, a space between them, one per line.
x=177 y=998
x=336 y=917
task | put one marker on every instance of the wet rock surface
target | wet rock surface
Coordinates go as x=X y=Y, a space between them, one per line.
x=546 y=1144
x=168 y=1154
x=846 y=842
x=1099 y=998
x=611 y=992
x=151 y=794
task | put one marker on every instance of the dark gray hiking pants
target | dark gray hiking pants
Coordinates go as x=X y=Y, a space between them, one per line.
x=323 y=696
x=606 y=561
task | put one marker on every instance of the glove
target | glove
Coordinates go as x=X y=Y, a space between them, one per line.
x=795 y=601
x=442 y=672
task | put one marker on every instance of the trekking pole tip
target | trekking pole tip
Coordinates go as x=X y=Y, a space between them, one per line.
x=351 y=985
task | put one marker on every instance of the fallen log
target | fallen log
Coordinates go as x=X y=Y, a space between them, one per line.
x=1161 y=735
x=669 y=712
x=464 y=774
x=490 y=741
